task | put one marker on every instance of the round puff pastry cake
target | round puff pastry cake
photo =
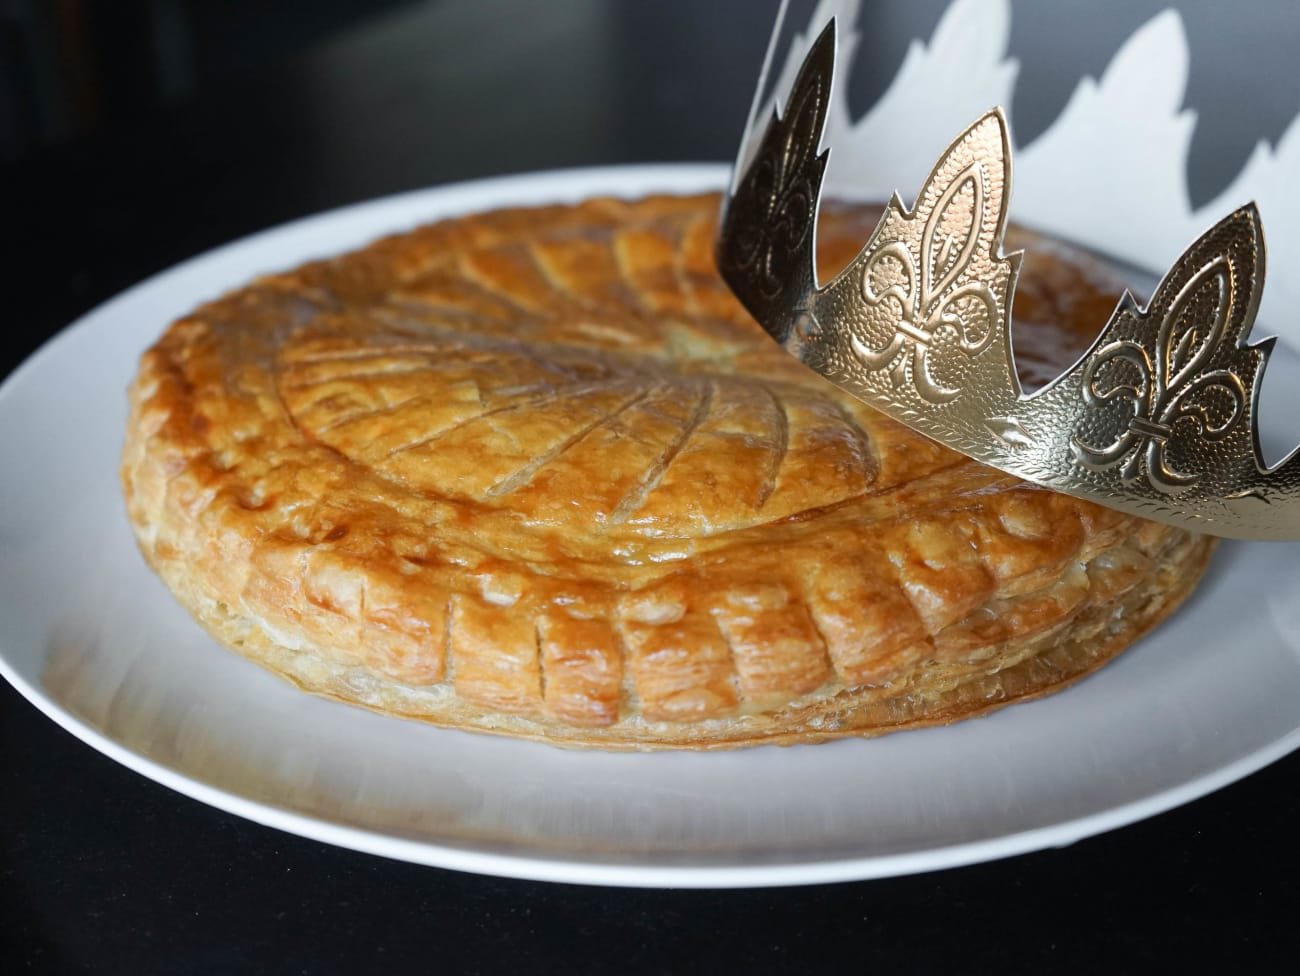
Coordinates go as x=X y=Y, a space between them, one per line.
x=536 y=472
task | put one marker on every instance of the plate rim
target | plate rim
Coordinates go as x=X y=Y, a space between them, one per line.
x=569 y=869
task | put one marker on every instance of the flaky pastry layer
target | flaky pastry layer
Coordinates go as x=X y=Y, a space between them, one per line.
x=535 y=472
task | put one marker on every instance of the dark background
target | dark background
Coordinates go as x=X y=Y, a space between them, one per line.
x=136 y=133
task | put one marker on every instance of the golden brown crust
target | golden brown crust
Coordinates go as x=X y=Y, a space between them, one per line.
x=535 y=472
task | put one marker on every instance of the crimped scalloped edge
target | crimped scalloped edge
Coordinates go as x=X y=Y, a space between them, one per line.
x=1027 y=669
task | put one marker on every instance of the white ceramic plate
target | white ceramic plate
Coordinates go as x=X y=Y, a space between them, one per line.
x=95 y=641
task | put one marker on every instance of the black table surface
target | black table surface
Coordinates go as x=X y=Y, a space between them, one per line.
x=104 y=870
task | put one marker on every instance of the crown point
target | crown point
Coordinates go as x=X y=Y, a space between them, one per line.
x=1251 y=212
x=994 y=117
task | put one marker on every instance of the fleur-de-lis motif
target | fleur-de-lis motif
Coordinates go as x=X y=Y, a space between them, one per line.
x=930 y=310
x=768 y=227
x=769 y=247
x=1174 y=398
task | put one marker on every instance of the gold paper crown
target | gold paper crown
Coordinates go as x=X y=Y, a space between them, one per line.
x=1157 y=418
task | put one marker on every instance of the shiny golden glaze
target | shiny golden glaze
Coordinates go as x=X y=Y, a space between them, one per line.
x=536 y=471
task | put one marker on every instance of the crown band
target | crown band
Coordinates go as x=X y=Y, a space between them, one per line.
x=1158 y=418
